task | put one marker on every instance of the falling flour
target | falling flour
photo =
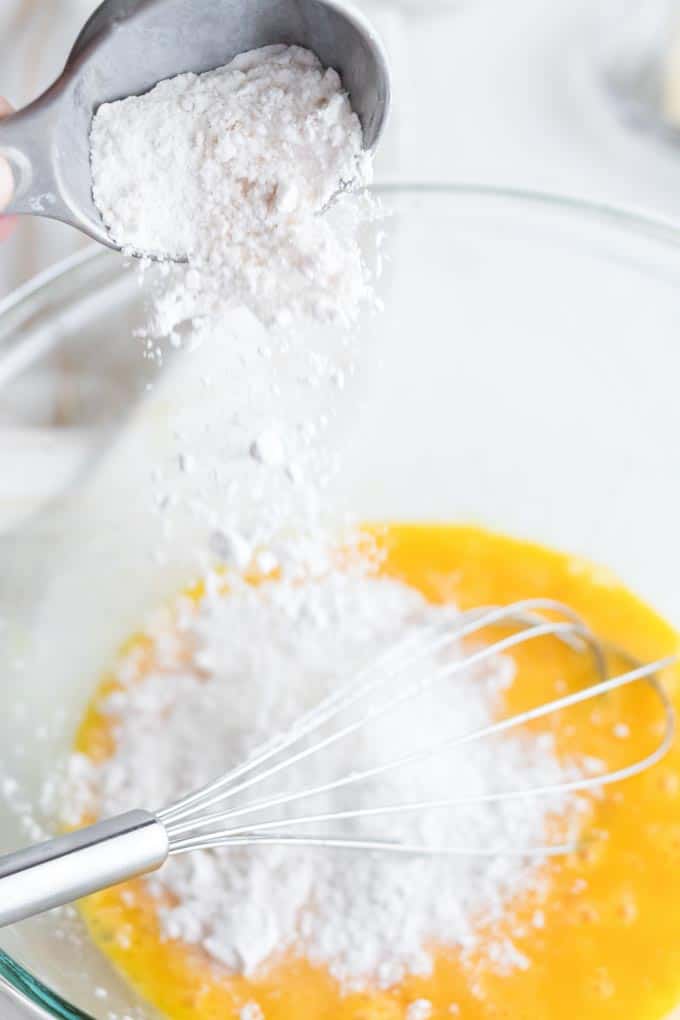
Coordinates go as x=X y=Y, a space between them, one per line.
x=240 y=669
x=239 y=171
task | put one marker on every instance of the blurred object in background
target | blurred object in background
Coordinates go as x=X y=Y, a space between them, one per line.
x=38 y=443
x=642 y=63
x=34 y=38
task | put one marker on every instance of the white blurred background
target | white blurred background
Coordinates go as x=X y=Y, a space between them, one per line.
x=512 y=93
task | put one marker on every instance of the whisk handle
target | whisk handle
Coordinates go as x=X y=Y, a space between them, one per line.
x=64 y=869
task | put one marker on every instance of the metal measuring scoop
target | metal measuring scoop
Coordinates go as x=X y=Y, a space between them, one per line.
x=127 y=46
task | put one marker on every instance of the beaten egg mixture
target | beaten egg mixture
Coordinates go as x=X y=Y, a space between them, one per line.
x=608 y=942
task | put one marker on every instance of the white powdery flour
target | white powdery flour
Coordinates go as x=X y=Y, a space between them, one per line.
x=235 y=170
x=259 y=658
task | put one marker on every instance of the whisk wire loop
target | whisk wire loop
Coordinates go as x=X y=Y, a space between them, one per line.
x=568 y=786
x=190 y=828
x=569 y=631
x=378 y=672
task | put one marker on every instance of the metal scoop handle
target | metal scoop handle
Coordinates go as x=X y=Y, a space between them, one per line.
x=28 y=140
x=64 y=869
x=24 y=140
x=36 y=147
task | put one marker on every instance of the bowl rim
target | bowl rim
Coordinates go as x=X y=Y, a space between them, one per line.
x=28 y=993
x=651 y=224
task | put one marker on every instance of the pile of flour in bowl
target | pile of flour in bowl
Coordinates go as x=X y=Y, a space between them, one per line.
x=239 y=171
x=260 y=657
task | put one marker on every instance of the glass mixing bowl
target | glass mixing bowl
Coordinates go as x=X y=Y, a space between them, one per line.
x=524 y=376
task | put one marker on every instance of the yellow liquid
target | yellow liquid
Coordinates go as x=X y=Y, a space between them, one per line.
x=609 y=946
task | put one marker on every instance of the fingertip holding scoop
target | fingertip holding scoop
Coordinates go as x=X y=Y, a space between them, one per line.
x=6 y=191
x=6 y=183
x=6 y=175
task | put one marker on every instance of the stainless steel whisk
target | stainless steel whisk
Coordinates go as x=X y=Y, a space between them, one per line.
x=74 y=865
